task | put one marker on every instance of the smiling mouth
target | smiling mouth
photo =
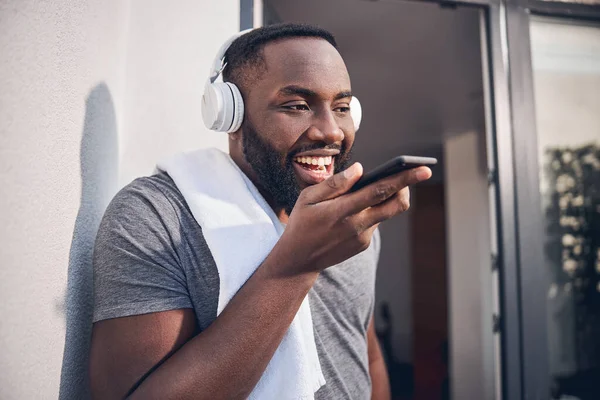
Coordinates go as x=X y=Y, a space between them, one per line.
x=314 y=170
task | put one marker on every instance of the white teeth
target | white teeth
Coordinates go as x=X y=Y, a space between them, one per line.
x=319 y=161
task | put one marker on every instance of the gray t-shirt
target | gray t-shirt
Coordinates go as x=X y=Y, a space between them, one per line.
x=151 y=256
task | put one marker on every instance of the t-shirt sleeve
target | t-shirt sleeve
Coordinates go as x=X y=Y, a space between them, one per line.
x=376 y=245
x=136 y=267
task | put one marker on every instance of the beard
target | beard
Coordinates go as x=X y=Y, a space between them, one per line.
x=275 y=171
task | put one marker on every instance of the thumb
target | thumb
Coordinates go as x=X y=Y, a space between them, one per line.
x=335 y=185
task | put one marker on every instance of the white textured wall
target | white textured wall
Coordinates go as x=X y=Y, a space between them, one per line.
x=170 y=49
x=92 y=94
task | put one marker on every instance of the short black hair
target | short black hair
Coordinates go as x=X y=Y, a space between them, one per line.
x=245 y=59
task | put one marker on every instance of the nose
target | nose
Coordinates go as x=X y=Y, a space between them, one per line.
x=325 y=128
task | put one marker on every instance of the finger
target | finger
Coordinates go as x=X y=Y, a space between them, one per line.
x=382 y=190
x=335 y=185
x=397 y=204
x=366 y=236
x=369 y=232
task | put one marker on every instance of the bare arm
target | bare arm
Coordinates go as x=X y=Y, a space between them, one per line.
x=227 y=359
x=125 y=350
x=236 y=348
x=377 y=368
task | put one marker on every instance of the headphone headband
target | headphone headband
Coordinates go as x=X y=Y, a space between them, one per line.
x=217 y=65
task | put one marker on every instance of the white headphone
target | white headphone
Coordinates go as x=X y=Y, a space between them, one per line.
x=222 y=103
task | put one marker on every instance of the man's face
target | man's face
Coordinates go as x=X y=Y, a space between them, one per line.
x=297 y=129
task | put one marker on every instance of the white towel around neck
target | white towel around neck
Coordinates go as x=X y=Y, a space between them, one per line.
x=241 y=229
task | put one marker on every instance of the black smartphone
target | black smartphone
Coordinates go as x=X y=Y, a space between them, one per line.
x=391 y=167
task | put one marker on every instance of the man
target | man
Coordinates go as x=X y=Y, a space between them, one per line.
x=156 y=332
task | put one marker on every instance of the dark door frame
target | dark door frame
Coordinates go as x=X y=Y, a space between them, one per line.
x=246 y=14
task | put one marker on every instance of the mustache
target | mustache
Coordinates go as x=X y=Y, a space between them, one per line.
x=315 y=146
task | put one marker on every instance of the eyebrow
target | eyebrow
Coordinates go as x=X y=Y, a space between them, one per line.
x=300 y=91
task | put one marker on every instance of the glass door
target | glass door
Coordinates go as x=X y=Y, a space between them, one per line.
x=566 y=81
x=554 y=64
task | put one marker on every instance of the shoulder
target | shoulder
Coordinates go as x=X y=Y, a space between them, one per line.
x=137 y=261
x=156 y=190
x=145 y=201
x=145 y=214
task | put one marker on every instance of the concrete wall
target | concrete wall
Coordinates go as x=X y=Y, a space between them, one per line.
x=469 y=268
x=93 y=93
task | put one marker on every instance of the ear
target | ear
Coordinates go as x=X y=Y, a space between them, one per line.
x=235 y=136
x=236 y=146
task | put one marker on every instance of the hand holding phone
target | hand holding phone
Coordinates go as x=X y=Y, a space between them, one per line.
x=391 y=167
x=350 y=219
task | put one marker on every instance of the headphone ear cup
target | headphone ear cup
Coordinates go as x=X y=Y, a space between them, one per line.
x=356 y=112
x=222 y=107
x=228 y=107
x=238 y=107
x=211 y=106
x=218 y=106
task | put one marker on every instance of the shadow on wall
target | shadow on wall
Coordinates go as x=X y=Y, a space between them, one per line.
x=99 y=174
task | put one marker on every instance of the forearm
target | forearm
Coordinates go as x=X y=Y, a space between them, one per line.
x=377 y=368
x=228 y=358
x=379 y=380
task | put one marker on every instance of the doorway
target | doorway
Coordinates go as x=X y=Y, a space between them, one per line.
x=419 y=73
